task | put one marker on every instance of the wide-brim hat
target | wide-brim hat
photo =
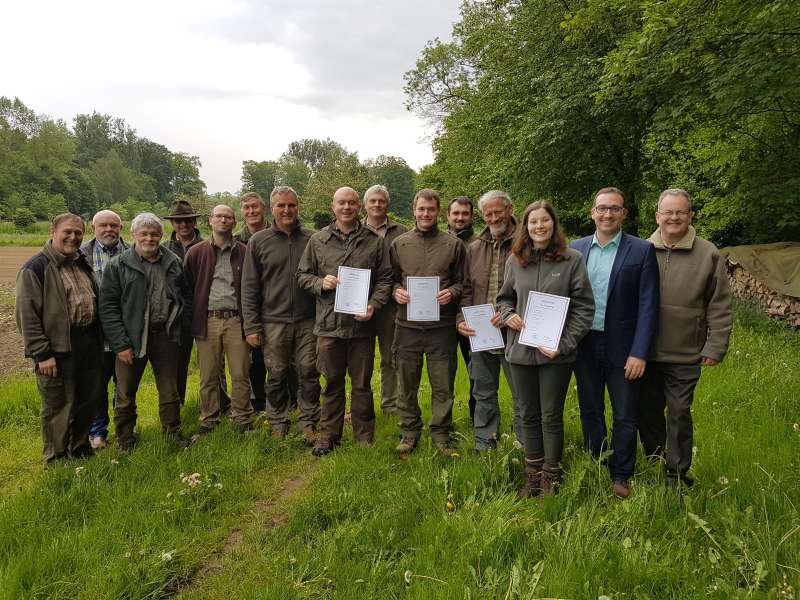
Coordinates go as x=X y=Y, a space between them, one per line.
x=181 y=209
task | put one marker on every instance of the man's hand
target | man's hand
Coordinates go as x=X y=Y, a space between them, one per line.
x=126 y=356
x=48 y=367
x=515 y=322
x=401 y=296
x=548 y=353
x=465 y=330
x=634 y=368
x=253 y=339
x=366 y=317
x=329 y=282
x=497 y=320
x=444 y=297
x=708 y=362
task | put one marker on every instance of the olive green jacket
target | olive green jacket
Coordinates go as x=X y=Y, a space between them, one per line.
x=329 y=249
x=565 y=278
x=695 y=319
x=124 y=301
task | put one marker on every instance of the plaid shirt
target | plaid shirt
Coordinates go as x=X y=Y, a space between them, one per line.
x=101 y=255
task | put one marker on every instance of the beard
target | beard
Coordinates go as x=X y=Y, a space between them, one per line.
x=498 y=230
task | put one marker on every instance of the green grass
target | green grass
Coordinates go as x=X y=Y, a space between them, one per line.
x=369 y=526
x=35 y=235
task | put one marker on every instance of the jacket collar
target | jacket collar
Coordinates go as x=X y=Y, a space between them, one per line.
x=685 y=243
x=59 y=259
x=464 y=234
x=433 y=232
x=131 y=258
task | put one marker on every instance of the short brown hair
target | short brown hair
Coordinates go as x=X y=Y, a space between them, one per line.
x=427 y=194
x=609 y=190
x=252 y=196
x=58 y=219
x=461 y=200
x=522 y=247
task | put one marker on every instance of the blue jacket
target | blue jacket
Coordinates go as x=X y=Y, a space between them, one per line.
x=633 y=299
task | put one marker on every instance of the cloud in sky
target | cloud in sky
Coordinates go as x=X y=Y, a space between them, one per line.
x=229 y=80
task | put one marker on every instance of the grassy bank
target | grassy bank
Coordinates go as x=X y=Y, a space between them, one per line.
x=369 y=526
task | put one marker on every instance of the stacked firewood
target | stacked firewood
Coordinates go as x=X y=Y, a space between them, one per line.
x=778 y=306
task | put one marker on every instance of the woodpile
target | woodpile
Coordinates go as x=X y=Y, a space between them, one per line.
x=778 y=306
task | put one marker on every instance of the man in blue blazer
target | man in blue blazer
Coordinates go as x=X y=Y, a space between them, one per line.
x=623 y=271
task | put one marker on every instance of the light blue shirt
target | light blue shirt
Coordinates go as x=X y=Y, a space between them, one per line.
x=599 y=264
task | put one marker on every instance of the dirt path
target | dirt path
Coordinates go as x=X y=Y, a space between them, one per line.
x=11 y=259
x=266 y=514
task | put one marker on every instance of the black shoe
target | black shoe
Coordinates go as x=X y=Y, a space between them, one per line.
x=180 y=442
x=322 y=447
x=200 y=433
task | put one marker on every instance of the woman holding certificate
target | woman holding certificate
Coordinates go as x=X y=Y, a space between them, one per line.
x=547 y=304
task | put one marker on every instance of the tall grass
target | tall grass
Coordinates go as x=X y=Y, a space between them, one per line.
x=370 y=526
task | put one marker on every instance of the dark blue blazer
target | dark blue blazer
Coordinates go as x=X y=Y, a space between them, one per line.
x=633 y=298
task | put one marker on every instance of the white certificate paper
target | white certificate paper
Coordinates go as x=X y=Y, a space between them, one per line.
x=487 y=336
x=544 y=320
x=423 y=292
x=352 y=291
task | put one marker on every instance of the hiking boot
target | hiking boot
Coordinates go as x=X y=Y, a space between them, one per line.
x=309 y=435
x=621 y=489
x=445 y=449
x=406 y=446
x=279 y=431
x=244 y=428
x=674 y=480
x=180 y=442
x=127 y=446
x=532 y=484
x=200 y=433
x=322 y=447
x=98 y=442
x=551 y=479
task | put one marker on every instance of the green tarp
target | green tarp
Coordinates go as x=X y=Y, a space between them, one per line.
x=777 y=265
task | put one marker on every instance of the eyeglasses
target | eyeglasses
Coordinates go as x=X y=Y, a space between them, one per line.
x=226 y=217
x=604 y=209
x=673 y=213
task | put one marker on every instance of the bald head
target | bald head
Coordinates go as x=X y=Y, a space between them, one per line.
x=222 y=220
x=346 y=205
x=107 y=227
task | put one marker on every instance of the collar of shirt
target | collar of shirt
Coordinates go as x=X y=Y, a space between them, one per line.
x=159 y=254
x=227 y=245
x=109 y=249
x=615 y=240
x=383 y=225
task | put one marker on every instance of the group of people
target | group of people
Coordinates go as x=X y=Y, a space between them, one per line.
x=643 y=317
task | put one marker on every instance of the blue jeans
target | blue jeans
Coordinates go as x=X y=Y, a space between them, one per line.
x=101 y=419
x=594 y=374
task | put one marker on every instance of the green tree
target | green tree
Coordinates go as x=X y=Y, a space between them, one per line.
x=186 y=175
x=394 y=173
x=260 y=177
x=23 y=218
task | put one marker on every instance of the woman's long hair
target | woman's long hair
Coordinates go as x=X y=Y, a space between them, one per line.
x=522 y=247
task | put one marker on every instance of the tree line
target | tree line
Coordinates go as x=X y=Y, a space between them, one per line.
x=48 y=167
x=557 y=98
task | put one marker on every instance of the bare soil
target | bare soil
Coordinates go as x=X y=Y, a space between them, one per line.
x=12 y=360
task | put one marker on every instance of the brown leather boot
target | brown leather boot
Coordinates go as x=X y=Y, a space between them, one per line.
x=551 y=479
x=531 y=486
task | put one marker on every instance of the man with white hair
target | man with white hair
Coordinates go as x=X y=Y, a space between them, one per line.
x=107 y=243
x=486 y=261
x=146 y=308
x=695 y=324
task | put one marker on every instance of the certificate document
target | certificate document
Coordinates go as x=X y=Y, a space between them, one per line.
x=423 y=305
x=544 y=320
x=487 y=336
x=352 y=291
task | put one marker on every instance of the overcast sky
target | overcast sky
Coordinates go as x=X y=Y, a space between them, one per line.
x=228 y=80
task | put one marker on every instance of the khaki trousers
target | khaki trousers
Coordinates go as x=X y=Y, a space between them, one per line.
x=71 y=398
x=163 y=354
x=438 y=347
x=335 y=358
x=385 y=325
x=286 y=344
x=224 y=341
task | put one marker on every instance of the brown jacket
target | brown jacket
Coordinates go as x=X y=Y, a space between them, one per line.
x=199 y=265
x=695 y=314
x=478 y=266
x=325 y=252
x=566 y=278
x=426 y=254
x=175 y=246
x=270 y=292
x=41 y=304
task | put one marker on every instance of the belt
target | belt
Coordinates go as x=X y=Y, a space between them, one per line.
x=223 y=314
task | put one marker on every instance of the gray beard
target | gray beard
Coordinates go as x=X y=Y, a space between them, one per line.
x=498 y=230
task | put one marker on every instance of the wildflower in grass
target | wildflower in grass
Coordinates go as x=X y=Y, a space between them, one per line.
x=79 y=470
x=127 y=555
x=407 y=577
x=723 y=480
x=114 y=461
x=796 y=427
x=514 y=461
x=517 y=445
x=450 y=506
x=166 y=556
x=218 y=485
